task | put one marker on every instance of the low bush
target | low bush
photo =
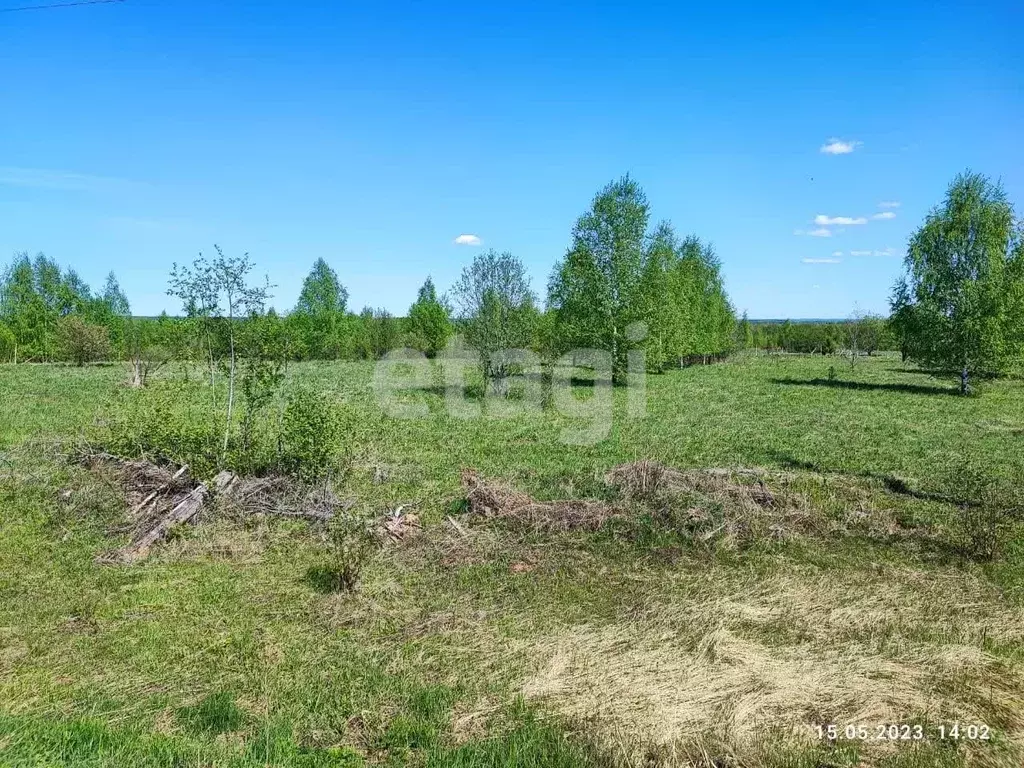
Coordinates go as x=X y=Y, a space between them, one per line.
x=180 y=422
x=168 y=421
x=351 y=544
x=310 y=436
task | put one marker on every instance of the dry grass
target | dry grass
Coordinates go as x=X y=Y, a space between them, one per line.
x=492 y=500
x=727 y=508
x=725 y=671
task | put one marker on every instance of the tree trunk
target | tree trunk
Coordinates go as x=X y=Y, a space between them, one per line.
x=231 y=378
x=137 y=380
x=964 y=386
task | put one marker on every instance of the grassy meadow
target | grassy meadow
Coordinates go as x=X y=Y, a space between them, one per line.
x=654 y=640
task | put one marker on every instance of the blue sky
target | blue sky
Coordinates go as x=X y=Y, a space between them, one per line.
x=136 y=134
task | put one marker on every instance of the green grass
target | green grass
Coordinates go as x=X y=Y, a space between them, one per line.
x=223 y=649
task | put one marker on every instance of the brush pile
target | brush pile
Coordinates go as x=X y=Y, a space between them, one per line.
x=490 y=500
x=159 y=498
x=735 y=506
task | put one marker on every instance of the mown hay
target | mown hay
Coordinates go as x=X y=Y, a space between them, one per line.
x=737 y=667
x=492 y=500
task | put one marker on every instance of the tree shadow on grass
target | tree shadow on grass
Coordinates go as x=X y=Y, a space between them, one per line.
x=475 y=392
x=925 y=372
x=893 y=484
x=868 y=386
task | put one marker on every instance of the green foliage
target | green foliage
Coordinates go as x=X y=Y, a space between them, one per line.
x=8 y=344
x=311 y=431
x=597 y=288
x=616 y=273
x=320 y=312
x=496 y=307
x=168 y=421
x=351 y=545
x=216 y=294
x=988 y=511
x=961 y=309
x=35 y=295
x=430 y=326
x=262 y=338
x=866 y=332
x=808 y=337
x=81 y=342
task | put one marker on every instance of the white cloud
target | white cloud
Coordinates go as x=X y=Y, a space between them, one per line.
x=886 y=252
x=468 y=240
x=838 y=221
x=890 y=204
x=839 y=147
x=884 y=216
x=837 y=254
x=823 y=261
x=820 y=232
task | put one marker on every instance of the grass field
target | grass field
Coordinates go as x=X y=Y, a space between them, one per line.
x=648 y=641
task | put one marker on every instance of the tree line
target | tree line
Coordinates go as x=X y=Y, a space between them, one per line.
x=623 y=285
x=866 y=333
x=618 y=277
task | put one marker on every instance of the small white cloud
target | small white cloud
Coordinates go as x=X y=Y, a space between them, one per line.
x=838 y=221
x=886 y=252
x=820 y=232
x=884 y=216
x=468 y=240
x=839 y=147
x=823 y=261
x=889 y=204
x=837 y=254
x=860 y=253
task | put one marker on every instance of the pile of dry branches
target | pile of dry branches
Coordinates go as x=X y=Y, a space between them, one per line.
x=732 y=505
x=162 y=497
x=490 y=500
x=721 y=504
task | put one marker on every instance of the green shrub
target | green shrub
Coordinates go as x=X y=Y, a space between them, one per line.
x=310 y=434
x=81 y=342
x=988 y=510
x=167 y=421
x=351 y=545
x=7 y=344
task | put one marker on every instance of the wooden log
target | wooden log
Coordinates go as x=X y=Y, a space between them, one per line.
x=182 y=512
x=159 y=490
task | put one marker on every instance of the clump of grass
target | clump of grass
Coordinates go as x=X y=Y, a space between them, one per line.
x=217 y=713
